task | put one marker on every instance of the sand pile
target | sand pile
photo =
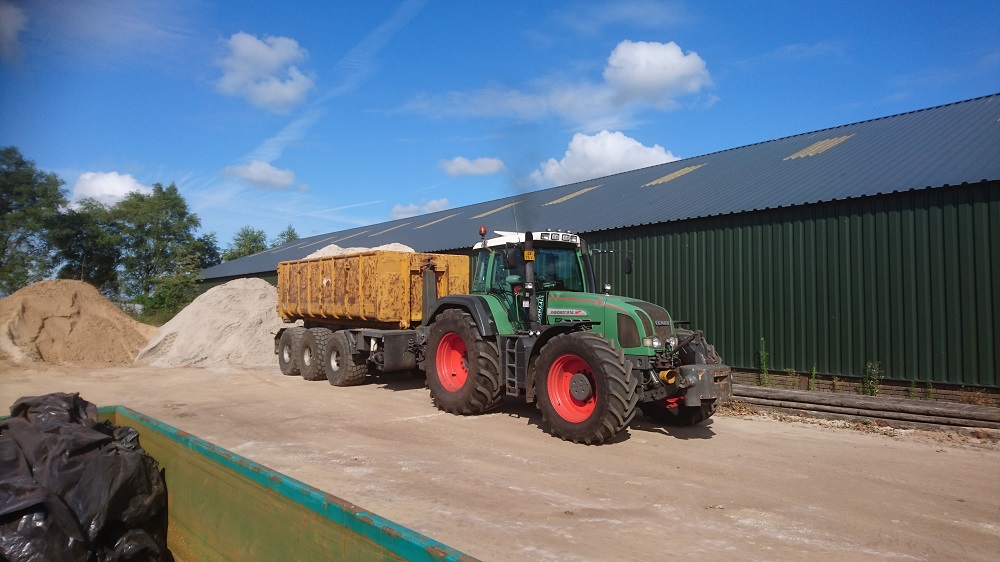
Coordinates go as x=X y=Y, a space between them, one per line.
x=335 y=250
x=65 y=321
x=232 y=324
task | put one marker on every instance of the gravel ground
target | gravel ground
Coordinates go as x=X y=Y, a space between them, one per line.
x=742 y=486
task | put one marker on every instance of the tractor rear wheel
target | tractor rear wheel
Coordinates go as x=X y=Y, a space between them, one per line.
x=463 y=368
x=342 y=369
x=313 y=352
x=585 y=388
x=288 y=349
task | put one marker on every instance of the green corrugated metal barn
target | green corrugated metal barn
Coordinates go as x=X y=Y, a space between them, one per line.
x=874 y=241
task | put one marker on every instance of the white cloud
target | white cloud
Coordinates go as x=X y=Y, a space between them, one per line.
x=262 y=174
x=461 y=166
x=107 y=188
x=637 y=75
x=602 y=154
x=405 y=211
x=655 y=73
x=12 y=23
x=263 y=72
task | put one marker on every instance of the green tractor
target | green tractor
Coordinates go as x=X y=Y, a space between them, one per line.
x=535 y=326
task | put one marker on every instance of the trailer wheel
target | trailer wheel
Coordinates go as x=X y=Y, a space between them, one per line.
x=342 y=369
x=679 y=416
x=288 y=350
x=585 y=388
x=313 y=352
x=463 y=368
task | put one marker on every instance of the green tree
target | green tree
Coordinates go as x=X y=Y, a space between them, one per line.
x=285 y=236
x=206 y=247
x=29 y=199
x=157 y=230
x=87 y=243
x=174 y=291
x=247 y=241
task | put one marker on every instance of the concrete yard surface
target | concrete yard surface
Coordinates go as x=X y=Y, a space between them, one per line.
x=498 y=487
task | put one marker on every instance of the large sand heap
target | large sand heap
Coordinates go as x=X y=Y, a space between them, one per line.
x=335 y=250
x=65 y=321
x=231 y=324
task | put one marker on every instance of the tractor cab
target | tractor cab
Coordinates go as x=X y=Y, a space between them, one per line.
x=516 y=265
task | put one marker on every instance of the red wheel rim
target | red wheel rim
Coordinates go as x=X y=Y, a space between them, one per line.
x=452 y=362
x=563 y=402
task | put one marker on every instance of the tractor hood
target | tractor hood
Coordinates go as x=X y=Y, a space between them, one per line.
x=626 y=319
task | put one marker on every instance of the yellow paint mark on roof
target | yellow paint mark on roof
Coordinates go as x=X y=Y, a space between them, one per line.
x=388 y=229
x=437 y=221
x=574 y=194
x=351 y=236
x=320 y=241
x=283 y=248
x=674 y=175
x=819 y=147
x=497 y=210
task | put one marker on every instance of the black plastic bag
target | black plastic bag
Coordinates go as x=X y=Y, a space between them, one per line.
x=73 y=488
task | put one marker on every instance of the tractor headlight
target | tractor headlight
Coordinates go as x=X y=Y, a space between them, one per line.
x=672 y=342
x=652 y=341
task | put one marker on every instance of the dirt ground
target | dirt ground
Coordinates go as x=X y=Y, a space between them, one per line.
x=499 y=488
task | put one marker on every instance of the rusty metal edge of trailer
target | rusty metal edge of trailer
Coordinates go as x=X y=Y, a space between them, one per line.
x=273 y=512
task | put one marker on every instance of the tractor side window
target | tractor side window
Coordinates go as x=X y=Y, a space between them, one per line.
x=480 y=281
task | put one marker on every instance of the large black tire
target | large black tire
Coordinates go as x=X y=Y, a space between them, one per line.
x=342 y=367
x=313 y=352
x=585 y=388
x=288 y=349
x=681 y=416
x=463 y=368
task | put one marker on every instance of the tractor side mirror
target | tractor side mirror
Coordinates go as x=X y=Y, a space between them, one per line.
x=508 y=258
x=629 y=263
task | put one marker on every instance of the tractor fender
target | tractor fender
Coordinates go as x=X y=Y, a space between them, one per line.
x=557 y=329
x=475 y=305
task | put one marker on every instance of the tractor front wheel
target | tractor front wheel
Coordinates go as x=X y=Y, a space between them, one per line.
x=585 y=388
x=463 y=368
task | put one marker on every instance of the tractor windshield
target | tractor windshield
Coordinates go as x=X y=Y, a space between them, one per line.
x=558 y=269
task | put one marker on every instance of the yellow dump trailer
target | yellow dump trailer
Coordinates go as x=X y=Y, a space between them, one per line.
x=375 y=289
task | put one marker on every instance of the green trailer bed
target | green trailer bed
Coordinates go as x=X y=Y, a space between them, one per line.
x=225 y=507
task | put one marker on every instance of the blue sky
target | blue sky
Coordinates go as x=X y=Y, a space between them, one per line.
x=331 y=115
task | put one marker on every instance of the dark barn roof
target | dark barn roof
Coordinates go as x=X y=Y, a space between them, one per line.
x=945 y=145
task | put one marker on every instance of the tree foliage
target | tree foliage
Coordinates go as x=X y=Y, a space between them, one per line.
x=247 y=241
x=87 y=241
x=29 y=202
x=156 y=230
x=285 y=236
